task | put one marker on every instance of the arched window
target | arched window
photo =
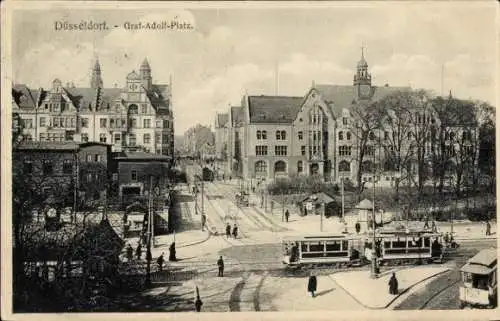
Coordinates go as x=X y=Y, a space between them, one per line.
x=344 y=166
x=341 y=135
x=280 y=167
x=259 y=134
x=300 y=166
x=348 y=135
x=260 y=168
x=278 y=135
x=264 y=134
x=283 y=135
x=133 y=109
x=367 y=167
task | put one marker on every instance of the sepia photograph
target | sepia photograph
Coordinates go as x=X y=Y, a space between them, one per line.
x=249 y=157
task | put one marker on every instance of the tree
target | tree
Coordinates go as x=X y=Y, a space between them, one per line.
x=404 y=137
x=486 y=115
x=365 y=120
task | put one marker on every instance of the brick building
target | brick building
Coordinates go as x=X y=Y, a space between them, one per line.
x=318 y=133
x=53 y=168
x=136 y=171
x=136 y=117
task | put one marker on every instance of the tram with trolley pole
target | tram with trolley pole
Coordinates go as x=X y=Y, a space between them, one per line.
x=337 y=250
x=396 y=246
x=479 y=280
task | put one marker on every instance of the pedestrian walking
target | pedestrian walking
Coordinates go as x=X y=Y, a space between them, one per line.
x=197 y=304
x=230 y=177
x=130 y=253
x=312 y=284
x=203 y=221
x=235 y=231
x=160 y=261
x=287 y=215
x=446 y=238
x=172 y=257
x=426 y=225
x=393 y=284
x=138 y=251
x=357 y=227
x=434 y=226
x=220 y=265
x=228 y=230
x=488 y=228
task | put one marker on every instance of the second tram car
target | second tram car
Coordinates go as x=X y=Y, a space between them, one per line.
x=328 y=249
x=405 y=247
x=479 y=280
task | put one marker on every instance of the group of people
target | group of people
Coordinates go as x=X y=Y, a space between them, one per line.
x=160 y=260
x=228 y=230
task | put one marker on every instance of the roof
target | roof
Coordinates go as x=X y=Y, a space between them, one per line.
x=24 y=97
x=69 y=145
x=273 y=109
x=133 y=75
x=237 y=115
x=83 y=98
x=141 y=156
x=487 y=257
x=343 y=96
x=222 y=120
x=72 y=240
x=321 y=198
x=316 y=236
x=365 y=204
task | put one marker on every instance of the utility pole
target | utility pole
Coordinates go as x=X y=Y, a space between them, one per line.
x=202 y=202
x=283 y=206
x=75 y=189
x=374 y=253
x=342 y=193
x=148 y=240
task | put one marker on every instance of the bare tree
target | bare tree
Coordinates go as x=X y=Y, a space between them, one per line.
x=365 y=120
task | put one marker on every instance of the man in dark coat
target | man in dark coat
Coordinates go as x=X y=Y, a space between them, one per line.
x=138 y=251
x=393 y=284
x=287 y=215
x=488 y=228
x=130 y=253
x=312 y=284
x=220 y=264
x=357 y=227
x=228 y=230
x=235 y=231
x=172 y=256
x=160 y=260
x=197 y=304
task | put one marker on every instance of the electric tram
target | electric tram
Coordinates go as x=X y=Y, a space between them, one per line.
x=396 y=246
x=479 y=280
x=339 y=250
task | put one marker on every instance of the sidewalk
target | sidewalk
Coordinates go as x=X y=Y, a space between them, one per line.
x=374 y=293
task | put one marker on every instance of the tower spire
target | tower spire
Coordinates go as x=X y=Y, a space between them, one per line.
x=96 y=80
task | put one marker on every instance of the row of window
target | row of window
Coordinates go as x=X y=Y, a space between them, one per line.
x=281 y=135
x=48 y=165
x=146 y=138
x=278 y=150
x=122 y=123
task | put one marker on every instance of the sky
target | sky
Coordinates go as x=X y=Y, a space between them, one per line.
x=233 y=51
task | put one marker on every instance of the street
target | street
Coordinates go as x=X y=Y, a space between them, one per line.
x=254 y=277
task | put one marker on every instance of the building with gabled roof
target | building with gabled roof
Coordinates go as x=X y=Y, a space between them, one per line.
x=280 y=136
x=136 y=117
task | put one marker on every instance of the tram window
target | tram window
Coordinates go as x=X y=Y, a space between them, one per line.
x=427 y=242
x=317 y=247
x=412 y=243
x=332 y=246
x=387 y=244
x=304 y=248
x=345 y=246
x=481 y=282
x=467 y=277
x=493 y=278
x=399 y=244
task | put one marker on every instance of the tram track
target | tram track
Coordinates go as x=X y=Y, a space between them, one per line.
x=438 y=293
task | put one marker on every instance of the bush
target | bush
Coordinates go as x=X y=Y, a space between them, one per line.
x=481 y=214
